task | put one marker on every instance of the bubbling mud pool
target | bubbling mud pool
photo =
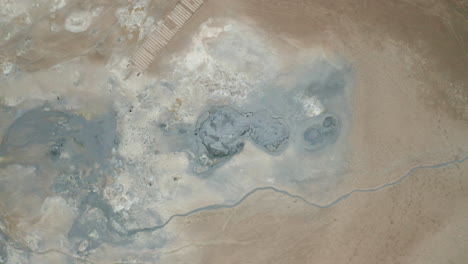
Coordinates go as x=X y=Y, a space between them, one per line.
x=206 y=133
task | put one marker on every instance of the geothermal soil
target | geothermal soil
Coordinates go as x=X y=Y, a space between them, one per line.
x=264 y=132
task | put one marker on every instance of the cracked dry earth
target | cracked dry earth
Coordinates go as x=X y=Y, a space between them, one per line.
x=266 y=131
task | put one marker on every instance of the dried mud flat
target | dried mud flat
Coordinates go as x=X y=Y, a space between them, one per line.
x=263 y=132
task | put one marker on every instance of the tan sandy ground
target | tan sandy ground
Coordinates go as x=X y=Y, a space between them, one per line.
x=410 y=109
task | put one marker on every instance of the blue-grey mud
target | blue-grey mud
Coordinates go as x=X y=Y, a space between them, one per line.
x=240 y=136
x=73 y=157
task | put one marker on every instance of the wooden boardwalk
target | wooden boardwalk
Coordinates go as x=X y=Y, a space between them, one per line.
x=163 y=34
